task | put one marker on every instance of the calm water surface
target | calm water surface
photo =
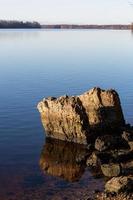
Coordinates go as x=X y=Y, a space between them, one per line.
x=38 y=63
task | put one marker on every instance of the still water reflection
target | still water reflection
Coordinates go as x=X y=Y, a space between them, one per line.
x=38 y=63
x=63 y=159
x=63 y=175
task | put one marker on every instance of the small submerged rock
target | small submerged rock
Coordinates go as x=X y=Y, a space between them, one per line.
x=119 y=184
x=111 y=169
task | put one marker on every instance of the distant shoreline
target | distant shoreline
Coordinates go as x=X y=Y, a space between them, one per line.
x=7 y=24
x=73 y=26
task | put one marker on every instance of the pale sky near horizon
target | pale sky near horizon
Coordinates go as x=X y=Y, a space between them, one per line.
x=68 y=11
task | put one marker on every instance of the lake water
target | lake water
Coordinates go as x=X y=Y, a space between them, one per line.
x=40 y=63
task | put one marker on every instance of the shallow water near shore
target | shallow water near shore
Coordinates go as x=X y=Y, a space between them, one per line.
x=40 y=63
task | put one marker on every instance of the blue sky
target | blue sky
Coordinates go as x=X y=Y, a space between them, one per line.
x=68 y=11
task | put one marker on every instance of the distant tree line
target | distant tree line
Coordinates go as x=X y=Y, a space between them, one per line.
x=95 y=26
x=132 y=26
x=18 y=24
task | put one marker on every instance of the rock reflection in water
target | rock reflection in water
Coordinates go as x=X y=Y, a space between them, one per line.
x=63 y=159
x=69 y=161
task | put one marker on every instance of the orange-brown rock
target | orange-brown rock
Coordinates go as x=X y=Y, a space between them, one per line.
x=103 y=108
x=119 y=184
x=73 y=118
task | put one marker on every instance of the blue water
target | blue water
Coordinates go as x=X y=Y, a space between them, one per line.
x=40 y=63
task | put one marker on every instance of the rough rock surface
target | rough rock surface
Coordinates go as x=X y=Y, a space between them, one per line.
x=106 y=142
x=74 y=118
x=119 y=184
x=102 y=108
x=111 y=170
x=114 y=157
x=128 y=136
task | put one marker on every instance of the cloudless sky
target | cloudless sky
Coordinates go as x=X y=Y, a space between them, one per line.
x=68 y=11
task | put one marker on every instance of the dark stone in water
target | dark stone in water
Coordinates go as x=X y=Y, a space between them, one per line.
x=107 y=142
x=111 y=169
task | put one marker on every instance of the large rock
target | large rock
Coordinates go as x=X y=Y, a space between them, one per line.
x=74 y=118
